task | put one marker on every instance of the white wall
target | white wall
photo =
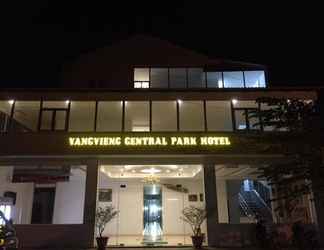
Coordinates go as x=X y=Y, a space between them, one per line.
x=222 y=201
x=69 y=199
x=22 y=210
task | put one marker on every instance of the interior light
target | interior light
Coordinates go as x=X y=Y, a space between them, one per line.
x=11 y=102
x=151 y=170
x=133 y=171
x=220 y=83
x=179 y=101
x=67 y=101
x=168 y=171
x=234 y=101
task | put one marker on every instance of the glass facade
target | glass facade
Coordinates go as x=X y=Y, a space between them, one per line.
x=150 y=200
x=180 y=78
x=129 y=116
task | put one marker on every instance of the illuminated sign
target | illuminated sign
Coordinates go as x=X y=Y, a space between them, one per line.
x=147 y=141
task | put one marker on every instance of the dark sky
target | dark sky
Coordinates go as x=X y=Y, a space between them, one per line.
x=38 y=36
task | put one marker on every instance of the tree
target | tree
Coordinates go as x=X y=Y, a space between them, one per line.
x=303 y=173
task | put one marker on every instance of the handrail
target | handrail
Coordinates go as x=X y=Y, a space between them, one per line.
x=245 y=206
x=262 y=201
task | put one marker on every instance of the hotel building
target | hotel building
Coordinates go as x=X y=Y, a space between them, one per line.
x=149 y=128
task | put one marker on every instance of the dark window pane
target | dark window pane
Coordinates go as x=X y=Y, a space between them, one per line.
x=159 y=77
x=178 y=78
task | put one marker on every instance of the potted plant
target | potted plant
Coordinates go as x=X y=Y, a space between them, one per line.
x=195 y=216
x=103 y=216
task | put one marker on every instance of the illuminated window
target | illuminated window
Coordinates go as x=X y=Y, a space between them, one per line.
x=137 y=116
x=109 y=117
x=164 y=116
x=141 y=78
x=6 y=210
x=82 y=116
x=26 y=116
x=191 y=116
x=233 y=79
x=214 y=80
x=5 y=111
x=254 y=79
x=219 y=116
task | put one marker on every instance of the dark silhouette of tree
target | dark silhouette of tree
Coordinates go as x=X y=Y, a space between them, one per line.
x=302 y=173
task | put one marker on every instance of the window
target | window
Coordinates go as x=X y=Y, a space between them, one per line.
x=214 y=80
x=178 y=78
x=5 y=112
x=196 y=78
x=137 y=116
x=164 y=116
x=82 y=116
x=141 y=78
x=233 y=79
x=109 y=117
x=219 y=116
x=25 y=116
x=254 y=79
x=159 y=78
x=191 y=116
x=242 y=120
x=54 y=115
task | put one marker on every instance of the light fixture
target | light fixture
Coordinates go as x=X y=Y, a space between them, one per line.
x=168 y=171
x=11 y=102
x=179 y=101
x=150 y=170
x=234 y=101
x=133 y=171
x=67 y=101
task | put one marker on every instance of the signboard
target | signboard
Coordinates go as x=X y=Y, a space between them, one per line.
x=148 y=141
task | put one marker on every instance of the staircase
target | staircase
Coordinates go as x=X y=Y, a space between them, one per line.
x=254 y=201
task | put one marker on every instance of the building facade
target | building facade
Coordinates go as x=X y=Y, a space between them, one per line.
x=149 y=128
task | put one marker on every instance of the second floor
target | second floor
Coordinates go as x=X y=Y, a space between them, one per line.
x=54 y=111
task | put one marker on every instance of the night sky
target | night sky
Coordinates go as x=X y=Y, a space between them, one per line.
x=38 y=36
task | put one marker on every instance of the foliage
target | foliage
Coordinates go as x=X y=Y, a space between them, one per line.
x=103 y=216
x=302 y=171
x=289 y=114
x=194 y=216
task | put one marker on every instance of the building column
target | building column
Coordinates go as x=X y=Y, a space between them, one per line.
x=211 y=203
x=90 y=200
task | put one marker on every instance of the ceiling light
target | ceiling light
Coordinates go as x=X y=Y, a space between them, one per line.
x=11 y=102
x=150 y=170
x=234 y=101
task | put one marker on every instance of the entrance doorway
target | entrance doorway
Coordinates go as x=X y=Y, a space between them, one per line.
x=150 y=200
x=152 y=217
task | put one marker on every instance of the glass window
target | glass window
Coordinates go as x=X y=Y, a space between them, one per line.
x=233 y=79
x=5 y=112
x=26 y=116
x=56 y=104
x=141 y=75
x=191 y=116
x=245 y=104
x=159 y=78
x=219 y=116
x=178 y=78
x=240 y=120
x=214 y=80
x=44 y=194
x=46 y=122
x=137 y=116
x=196 y=78
x=254 y=79
x=109 y=117
x=82 y=115
x=164 y=116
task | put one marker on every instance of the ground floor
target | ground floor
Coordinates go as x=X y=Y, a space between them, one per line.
x=53 y=200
